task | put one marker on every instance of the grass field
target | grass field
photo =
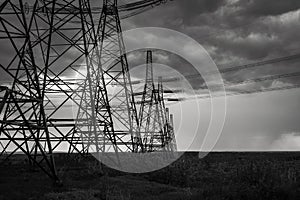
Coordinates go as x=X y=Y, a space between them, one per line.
x=272 y=175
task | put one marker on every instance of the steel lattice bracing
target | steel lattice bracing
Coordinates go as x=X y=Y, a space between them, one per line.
x=114 y=117
x=23 y=119
x=58 y=52
x=52 y=48
x=73 y=46
x=116 y=72
x=69 y=83
x=155 y=126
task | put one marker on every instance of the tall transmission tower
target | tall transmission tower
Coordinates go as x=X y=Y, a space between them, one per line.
x=69 y=84
x=23 y=116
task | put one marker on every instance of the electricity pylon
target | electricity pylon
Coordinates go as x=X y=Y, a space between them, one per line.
x=23 y=117
x=69 y=84
x=156 y=127
x=113 y=109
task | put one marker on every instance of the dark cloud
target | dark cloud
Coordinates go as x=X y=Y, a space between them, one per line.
x=187 y=10
x=267 y=7
x=235 y=32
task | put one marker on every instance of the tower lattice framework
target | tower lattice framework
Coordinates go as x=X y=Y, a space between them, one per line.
x=68 y=84
x=156 y=123
x=110 y=86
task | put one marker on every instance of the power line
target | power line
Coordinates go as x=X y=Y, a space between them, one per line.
x=240 y=93
x=227 y=70
x=256 y=80
x=261 y=79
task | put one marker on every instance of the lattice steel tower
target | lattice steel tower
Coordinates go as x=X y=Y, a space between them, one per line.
x=68 y=84
x=116 y=124
x=156 y=124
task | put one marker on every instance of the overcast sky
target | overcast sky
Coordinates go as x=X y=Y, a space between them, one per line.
x=234 y=33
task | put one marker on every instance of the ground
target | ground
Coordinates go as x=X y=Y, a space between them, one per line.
x=272 y=175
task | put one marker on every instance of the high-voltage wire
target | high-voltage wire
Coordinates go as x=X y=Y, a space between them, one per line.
x=237 y=93
x=227 y=70
x=244 y=91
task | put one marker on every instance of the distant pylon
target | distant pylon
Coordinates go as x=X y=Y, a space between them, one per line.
x=155 y=127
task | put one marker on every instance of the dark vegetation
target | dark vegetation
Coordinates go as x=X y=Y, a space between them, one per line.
x=273 y=175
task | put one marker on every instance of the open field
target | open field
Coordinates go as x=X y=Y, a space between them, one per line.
x=272 y=175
